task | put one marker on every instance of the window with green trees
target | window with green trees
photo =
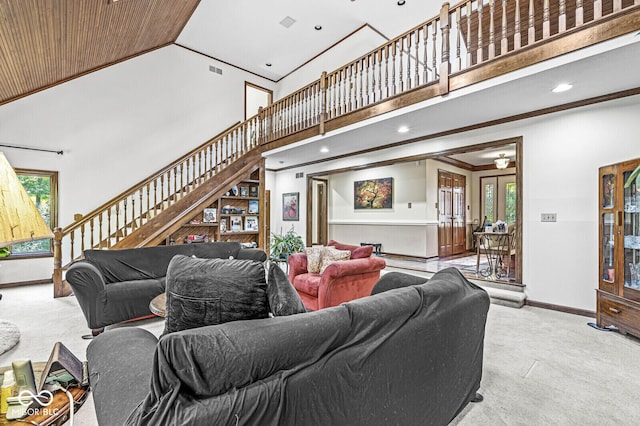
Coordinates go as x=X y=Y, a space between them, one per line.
x=42 y=187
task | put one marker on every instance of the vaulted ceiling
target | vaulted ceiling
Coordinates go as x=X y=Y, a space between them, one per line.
x=46 y=42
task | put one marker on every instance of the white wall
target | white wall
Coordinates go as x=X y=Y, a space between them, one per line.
x=282 y=183
x=117 y=126
x=359 y=43
x=561 y=156
x=400 y=229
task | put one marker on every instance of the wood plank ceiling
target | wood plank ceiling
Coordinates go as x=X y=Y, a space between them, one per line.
x=47 y=42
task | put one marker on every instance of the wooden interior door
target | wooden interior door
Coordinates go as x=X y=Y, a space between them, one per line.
x=317 y=220
x=459 y=232
x=445 y=216
x=452 y=237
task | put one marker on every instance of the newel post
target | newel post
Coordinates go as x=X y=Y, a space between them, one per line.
x=445 y=65
x=261 y=126
x=323 y=101
x=58 y=287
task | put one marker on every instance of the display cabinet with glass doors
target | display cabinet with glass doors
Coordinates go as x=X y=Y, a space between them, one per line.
x=619 y=248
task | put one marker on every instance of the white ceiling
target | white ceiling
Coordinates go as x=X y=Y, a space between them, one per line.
x=254 y=36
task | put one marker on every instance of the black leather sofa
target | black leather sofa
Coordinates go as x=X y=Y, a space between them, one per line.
x=117 y=285
x=409 y=354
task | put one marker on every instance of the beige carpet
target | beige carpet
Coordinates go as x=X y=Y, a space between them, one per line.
x=9 y=336
x=541 y=367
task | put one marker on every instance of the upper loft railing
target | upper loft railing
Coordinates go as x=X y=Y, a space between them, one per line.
x=426 y=59
x=105 y=226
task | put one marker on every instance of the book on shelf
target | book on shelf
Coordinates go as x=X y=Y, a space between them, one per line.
x=236 y=223
x=253 y=207
x=244 y=191
x=253 y=191
x=209 y=215
x=251 y=223
x=223 y=225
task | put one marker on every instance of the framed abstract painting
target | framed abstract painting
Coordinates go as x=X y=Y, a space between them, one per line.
x=373 y=194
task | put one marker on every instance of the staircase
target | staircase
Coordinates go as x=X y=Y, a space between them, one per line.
x=145 y=214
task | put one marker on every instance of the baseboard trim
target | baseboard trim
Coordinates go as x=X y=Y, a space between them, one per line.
x=26 y=283
x=566 y=309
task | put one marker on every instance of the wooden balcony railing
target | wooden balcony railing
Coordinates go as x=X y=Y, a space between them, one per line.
x=428 y=57
x=442 y=54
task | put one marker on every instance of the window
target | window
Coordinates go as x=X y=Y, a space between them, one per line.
x=489 y=202
x=42 y=187
x=510 y=203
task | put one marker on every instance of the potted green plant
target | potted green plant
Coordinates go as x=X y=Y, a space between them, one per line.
x=282 y=245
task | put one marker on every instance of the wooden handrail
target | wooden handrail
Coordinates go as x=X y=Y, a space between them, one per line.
x=151 y=178
x=425 y=61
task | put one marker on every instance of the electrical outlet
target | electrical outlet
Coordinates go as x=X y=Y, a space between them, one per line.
x=548 y=217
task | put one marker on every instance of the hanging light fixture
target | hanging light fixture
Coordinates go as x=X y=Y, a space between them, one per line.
x=502 y=162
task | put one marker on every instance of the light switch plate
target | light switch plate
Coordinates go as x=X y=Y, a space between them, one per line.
x=548 y=217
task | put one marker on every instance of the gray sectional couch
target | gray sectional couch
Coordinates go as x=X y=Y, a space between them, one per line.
x=409 y=354
x=117 y=285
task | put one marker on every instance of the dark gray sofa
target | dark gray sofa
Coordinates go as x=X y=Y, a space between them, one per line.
x=117 y=285
x=410 y=355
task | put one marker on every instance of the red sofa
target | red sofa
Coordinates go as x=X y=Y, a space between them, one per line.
x=341 y=281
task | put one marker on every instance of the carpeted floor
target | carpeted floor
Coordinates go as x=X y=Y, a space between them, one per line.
x=541 y=367
x=9 y=336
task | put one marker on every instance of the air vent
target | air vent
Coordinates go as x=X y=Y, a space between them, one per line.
x=214 y=69
x=299 y=175
x=287 y=22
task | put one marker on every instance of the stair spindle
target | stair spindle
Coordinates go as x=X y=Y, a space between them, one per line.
x=531 y=35
x=386 y=71
x=492 y=46
x=425 y=44
x=469 y=48
x=517 y=38
x=100 y=240
x=546 y=23
x=91 y=231
x=479 y=57
x=562 y=18
x=597 y=10
x=458 y=31
x=400 y=65
x=409 y=61
x=393 y=68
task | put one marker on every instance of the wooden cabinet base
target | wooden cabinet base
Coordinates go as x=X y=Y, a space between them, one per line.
x=621 y=313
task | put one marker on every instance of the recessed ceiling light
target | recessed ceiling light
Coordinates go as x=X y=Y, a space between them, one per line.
x=268 y=64
x=318 y=27
x=403 y=129
x=401 y=3
x=324 y=149
x=562 y=87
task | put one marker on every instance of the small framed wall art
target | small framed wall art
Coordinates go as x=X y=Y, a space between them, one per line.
x=290 y=209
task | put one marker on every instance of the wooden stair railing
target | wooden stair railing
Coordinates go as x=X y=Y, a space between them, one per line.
x=154 y=231
x=107 y=225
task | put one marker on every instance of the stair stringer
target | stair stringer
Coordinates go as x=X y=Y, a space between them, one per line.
x=155 y=230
